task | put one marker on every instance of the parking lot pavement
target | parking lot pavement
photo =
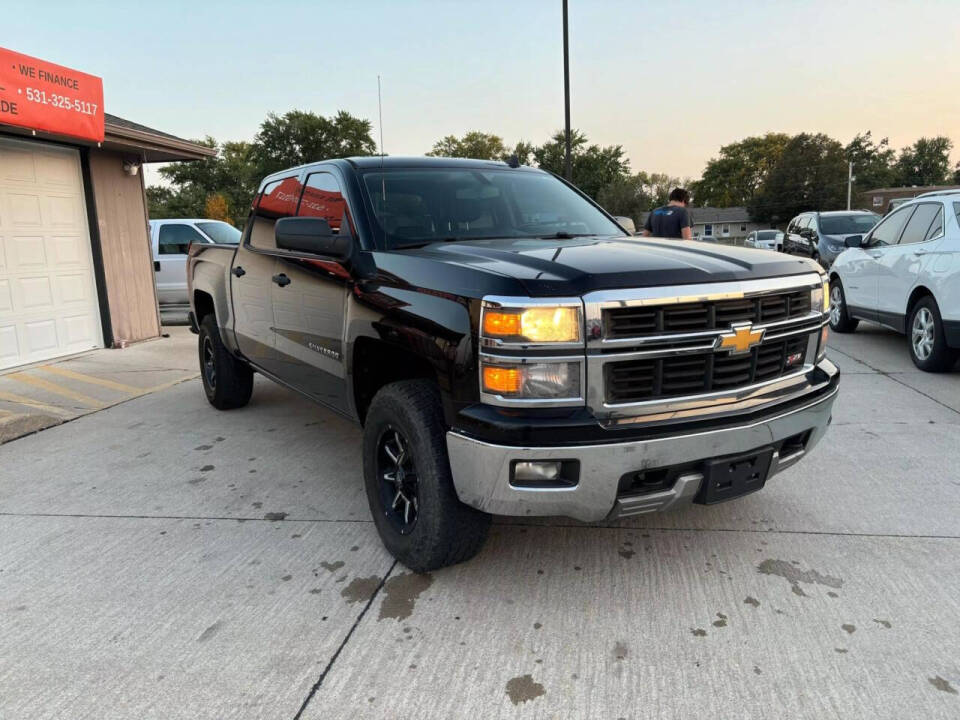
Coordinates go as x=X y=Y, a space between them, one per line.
x=46 y=394
x=164 y=560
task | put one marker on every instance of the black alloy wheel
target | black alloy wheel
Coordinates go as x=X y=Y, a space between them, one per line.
x=398 y=480
x=208 y=364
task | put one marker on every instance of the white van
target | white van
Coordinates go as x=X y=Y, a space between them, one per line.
x=170 y=239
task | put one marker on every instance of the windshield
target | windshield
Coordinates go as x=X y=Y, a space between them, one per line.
x=418 y=206
x=766 y=234
x=221 y=232
x=847 y=224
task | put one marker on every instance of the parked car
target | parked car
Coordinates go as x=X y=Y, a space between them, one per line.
x=170 y=240
x=765 y=240
x=508 y=348
x=820 y=235
x=905 y=274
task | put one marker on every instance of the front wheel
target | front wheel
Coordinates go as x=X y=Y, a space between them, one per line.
x=840 y=320
x=227 y=382
x=408 y=481
x=928 y=344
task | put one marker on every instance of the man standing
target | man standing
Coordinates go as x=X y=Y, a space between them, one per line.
x=673 y=220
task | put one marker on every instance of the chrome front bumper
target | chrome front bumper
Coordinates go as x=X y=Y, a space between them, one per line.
x=481 y=471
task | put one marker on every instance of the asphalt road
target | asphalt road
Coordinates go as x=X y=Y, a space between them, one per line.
x=160 y=559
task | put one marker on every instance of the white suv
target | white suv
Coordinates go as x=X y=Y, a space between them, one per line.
x=905 y=273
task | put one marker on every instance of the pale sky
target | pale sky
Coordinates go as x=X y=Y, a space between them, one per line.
x=670 y=81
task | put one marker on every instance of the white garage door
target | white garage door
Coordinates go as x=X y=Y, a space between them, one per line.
x=48 y=297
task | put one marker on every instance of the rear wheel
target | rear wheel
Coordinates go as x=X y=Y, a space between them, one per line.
x=227 y=382
x=925 y=336
x=840 y=320
x=409 y=484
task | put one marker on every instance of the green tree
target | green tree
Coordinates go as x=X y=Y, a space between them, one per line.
x=228 y=173
x=593 y=166
x=299 y=137
x=811 y=174
x=926 y=162
x=956 y=175
x=734 y=178
x=872 y=162
x=475 y=144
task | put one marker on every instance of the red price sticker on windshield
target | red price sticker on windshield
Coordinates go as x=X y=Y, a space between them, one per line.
x=39 y=95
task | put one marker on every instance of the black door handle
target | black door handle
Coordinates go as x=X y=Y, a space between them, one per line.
x=156 y=266
x=282 y=280
x=239 y=271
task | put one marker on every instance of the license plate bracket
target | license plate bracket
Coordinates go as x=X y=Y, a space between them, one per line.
x=734 y=476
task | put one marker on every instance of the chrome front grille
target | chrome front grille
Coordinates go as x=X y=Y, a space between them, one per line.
x=659 y=352
x=625 y=322
x=646 y=379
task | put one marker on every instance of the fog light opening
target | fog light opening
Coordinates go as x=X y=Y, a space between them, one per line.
x=544 y=473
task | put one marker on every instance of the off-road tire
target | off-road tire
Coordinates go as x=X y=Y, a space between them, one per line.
x=446 y=531
x=840 y=320
x=231 y=383
x=942 y=357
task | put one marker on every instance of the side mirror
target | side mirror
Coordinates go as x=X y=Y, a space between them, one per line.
x=854 y=241
x=312 y=235
x=626 y=223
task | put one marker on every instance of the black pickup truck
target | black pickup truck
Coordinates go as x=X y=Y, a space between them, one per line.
x=508 y=348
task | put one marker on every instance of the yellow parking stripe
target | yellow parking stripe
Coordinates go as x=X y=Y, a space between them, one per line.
x=55 y=389
x=30 y=402
x=102 y=382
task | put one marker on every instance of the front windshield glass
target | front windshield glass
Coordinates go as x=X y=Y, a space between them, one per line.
x=847 y=224
x=767 y=234
x=418 y=206
x=221 y=232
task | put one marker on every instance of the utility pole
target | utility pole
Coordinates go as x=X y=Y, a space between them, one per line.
x=567 y=170
x=849 y=183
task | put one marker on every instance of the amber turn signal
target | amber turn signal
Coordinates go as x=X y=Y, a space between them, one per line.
x=501 y=324
x=501 y=380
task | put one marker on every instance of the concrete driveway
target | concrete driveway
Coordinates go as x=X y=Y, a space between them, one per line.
x=160 y=559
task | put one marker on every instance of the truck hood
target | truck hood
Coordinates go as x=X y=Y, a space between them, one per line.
x=581 y=265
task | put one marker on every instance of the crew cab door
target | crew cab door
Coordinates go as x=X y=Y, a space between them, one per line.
x=309 y=301
x=899 y=266
x=254 y=269
x=861 y=281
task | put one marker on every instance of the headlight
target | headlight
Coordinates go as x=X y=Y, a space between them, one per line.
x=820 y=297
x=557 y=381
x=534 y=324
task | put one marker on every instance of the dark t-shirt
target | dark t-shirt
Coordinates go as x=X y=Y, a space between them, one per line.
x=668 y=221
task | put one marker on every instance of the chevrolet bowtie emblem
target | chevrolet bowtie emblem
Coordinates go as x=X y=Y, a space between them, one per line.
x=740 y=339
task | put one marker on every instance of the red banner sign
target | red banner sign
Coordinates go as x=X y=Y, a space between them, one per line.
x=39 y=95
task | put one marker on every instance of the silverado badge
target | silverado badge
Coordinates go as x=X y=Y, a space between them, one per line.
x=740 y=339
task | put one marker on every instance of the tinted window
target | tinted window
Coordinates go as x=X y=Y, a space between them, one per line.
x=176 y=237
x=413 y=207
x=859 y=224
x=221 y=232
x=767 y=234
x=888 y=232
x=919 y=223
x=322 y=197
x=936 y=227
x=956 y=209
x=278 y=199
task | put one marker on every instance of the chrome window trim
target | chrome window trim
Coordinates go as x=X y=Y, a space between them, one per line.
x=505 y=301
x=499 y=400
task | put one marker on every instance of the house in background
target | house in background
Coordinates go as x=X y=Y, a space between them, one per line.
x=880 y=199
x=729 y=226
